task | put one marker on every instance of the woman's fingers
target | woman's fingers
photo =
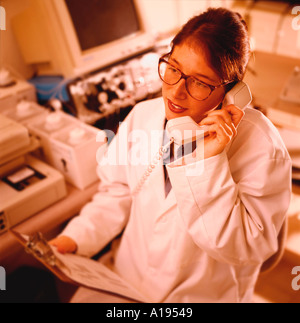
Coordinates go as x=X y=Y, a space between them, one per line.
x=231 y=115
x=222 y=129
x=224 y=114
x=64 y=244
x=235 y=113
x=221 y=133
x=228 y=128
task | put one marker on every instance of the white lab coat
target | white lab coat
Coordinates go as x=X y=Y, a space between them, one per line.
x=206 y=241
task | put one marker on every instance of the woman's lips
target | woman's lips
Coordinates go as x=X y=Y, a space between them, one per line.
x=175 y=108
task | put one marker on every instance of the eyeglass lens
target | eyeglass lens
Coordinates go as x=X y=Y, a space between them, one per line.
x=171 y=76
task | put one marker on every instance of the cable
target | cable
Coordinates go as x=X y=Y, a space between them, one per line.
x=152 y=166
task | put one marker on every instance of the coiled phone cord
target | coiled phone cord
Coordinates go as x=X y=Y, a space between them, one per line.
x=152 y=166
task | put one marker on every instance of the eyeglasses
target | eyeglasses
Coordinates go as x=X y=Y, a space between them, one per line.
x=197 y=89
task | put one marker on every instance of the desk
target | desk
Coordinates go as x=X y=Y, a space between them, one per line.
x=50 y=222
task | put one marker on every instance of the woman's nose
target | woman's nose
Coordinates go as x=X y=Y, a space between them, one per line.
x=179 y=90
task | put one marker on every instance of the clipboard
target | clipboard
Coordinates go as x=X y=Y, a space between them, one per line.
x=38 y=247
x=78 y=270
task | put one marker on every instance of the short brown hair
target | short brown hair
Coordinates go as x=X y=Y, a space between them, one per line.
x=225 y=35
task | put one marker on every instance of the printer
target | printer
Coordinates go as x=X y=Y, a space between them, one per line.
x=27 y=185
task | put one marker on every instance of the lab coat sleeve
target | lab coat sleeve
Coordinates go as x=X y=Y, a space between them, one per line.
x=235 y=223
x=104 y=218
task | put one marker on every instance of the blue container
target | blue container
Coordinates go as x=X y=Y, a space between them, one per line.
x=50 y=87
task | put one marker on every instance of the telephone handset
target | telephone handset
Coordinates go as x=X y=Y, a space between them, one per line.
x=185 y=129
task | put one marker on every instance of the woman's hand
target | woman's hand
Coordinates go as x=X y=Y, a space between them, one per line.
x=64 y=244
x=223 y=126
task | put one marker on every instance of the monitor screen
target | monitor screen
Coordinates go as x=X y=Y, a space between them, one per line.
x=98 y=22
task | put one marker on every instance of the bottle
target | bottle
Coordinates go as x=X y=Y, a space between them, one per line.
x=77 y=136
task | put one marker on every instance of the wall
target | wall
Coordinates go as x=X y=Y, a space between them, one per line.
x=10 y=56
x=163 y=17
x=168 y=15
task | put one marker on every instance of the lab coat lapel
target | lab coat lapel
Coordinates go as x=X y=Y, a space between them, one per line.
x=158 y=181
x=168 y=203
x=158 y=185
x=157 y=177
x=170 y=200
x=165 y=202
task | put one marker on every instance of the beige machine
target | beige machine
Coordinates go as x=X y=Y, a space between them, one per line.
x=18 y=91
x=27 y=185
x=69 y=146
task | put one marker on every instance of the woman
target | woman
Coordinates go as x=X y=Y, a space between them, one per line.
x=193 y=237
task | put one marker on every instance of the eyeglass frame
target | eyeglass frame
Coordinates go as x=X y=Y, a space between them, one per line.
x=186 y=77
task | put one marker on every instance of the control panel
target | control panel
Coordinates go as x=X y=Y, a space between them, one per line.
x=107 y=91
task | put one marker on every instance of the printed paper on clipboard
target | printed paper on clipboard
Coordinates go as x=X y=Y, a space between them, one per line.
x=77 y=270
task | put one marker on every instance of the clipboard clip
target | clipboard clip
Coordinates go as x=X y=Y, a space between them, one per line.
x=38 y=246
